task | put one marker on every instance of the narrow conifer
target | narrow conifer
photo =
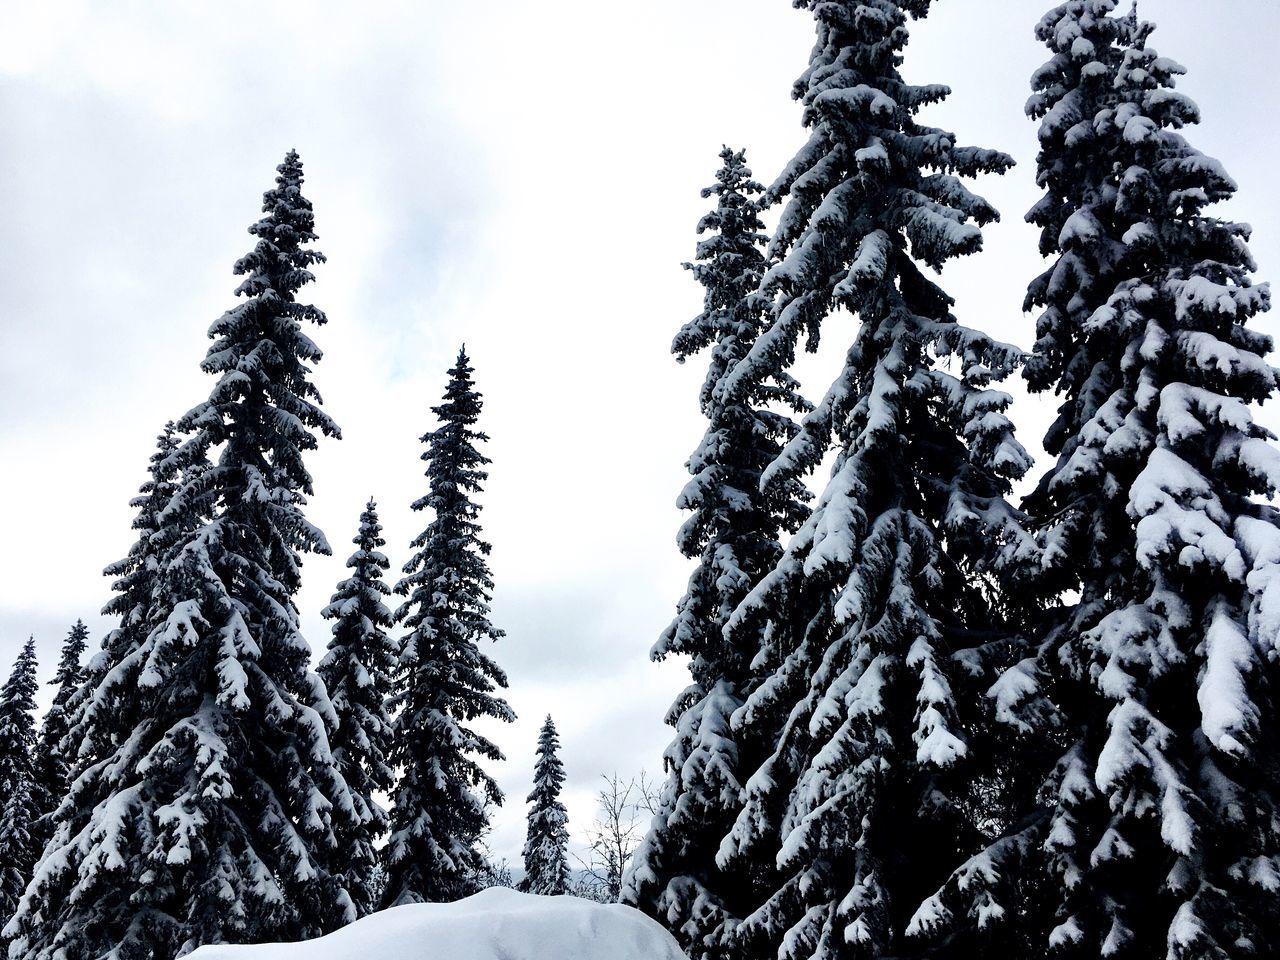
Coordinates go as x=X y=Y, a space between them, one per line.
x=18 y=789
x=358 y=671
x=546 y=846
x=54 y=757
x=440 y=804
x=733 y=532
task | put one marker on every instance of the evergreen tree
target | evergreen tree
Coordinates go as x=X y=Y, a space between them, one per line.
x=733 y=533
x=546 y=845
x=877 y=625
x=138 y=574
x=358 y=671
x=103 y=704
x=1153 y=698
x=439 y=811
x=53 y=756
x=18 y=790
x=208 y=812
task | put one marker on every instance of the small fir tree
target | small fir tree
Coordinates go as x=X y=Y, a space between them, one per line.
x=1150 y=710
x=18 y=789
x=208 y=813
x=877 y=625
x=733 y=532
x=546 y=846
x=358 y=671
x=54 y=754
x=440 y=805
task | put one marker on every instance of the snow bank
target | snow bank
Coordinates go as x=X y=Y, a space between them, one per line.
x=496 y=924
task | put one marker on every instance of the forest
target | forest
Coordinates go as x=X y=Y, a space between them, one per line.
x=943 y=701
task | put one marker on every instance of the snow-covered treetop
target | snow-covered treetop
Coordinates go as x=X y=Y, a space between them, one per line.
x=734 y=526
x=452 y=540
x=548 y=774
x=263 y=407
x=68 y=675
x=17 y=718
x=730 y=262
x=1124 y=216
x=361 y=656
x=871 y=192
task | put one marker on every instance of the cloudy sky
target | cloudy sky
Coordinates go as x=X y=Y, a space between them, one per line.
x=522 y=177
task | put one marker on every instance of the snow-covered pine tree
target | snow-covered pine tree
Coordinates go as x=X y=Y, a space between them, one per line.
x=439 y=811
x=53 y=757
x=1156 y=681
x=877 y=622
x=546 y=845
x=138 y=574
x=19 y=806
x=103 y=705
x=358 y=671
x=733 y=532
x=210 y=814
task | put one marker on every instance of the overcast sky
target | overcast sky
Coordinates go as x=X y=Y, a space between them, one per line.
x=520 y=176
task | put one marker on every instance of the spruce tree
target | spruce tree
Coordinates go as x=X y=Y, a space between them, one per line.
x=137 y=575
x=103 y=704
x=358 y=671
x=209 y=812
x=54 y=755
x=440 y=804
x=733 y=532
x=546 y=845
x=19 y=808
x=1152 y=701
x=877 y=624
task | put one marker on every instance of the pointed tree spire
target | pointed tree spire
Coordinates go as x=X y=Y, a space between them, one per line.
x=876 y=627
x=546 y=845
x=733 y=532
x=54 y=757
x=358 y=671
x=18 y=789
x=441 y=801
x=208 y=813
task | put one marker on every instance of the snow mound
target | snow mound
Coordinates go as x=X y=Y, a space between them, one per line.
x=495 y=924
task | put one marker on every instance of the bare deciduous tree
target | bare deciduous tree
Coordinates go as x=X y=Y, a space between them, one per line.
x=624 y=810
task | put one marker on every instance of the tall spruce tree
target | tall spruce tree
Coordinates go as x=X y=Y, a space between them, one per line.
x=19 y=791
x=54 y=754
x=1153 y=697
x=733 y=532
x=877 y=624
x=209 y=814
x=546 y=845
x=358 y=671
x=440 y=804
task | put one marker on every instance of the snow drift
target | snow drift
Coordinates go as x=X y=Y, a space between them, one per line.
x=496 y=924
